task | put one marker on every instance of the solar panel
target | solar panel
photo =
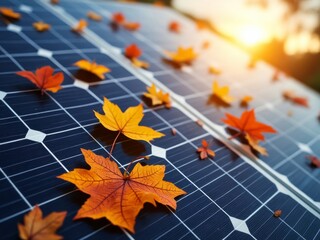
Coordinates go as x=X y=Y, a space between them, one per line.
x=230 y=197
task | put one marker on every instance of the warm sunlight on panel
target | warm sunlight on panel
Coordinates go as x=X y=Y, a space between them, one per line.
x=251 y=35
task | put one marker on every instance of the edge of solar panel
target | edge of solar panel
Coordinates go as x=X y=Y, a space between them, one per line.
x=150 y=78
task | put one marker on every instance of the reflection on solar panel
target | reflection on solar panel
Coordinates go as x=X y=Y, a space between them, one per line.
x=231 y=197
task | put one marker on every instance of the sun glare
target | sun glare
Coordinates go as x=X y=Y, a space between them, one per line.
x=251 y=35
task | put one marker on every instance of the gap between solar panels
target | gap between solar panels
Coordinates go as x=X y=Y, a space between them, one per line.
x=282 y=182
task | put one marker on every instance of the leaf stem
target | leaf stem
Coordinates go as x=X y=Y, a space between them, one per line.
x=114 y=143
x=235 y=136
x=132 y=161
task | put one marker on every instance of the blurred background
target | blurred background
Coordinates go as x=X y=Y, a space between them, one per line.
x=285 y=33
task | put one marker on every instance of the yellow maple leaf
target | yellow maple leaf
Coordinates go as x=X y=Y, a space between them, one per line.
x=222 y=92
x=157 y=96
x=182 y=55
x=93 y=67
x=41 y=26
x=126 y=122
x=139 y=63
x=255 y=145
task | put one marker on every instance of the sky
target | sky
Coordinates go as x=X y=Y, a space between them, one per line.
x=251 y=24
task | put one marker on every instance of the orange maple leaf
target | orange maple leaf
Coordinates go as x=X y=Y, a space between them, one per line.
x=120 y=197
x=182 y=55
x=44 y=78
x=94 y=16
x=93 y=67
x=81 y=25
x=9 y=13
x=294 y=98
x=126 y=122
x=158 y=97
x=174 y=27
x=132 y=51
x=36 y=228
x=205 y=151
x=41 y=26
x=222 y=92
x=118 y=18
x=248 y=125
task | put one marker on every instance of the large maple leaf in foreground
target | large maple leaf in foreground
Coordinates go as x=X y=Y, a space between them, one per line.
x=120 y=197
x=126 y=122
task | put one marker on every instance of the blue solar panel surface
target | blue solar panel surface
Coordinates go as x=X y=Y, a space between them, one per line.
x=41 y=135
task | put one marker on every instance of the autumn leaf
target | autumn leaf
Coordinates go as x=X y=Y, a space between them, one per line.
x=206 y=45
x=41 y=26
x=132 y=51
x=9 y=13
x=255 y=145
x=205 y=151
x=200 y=24
x=126 y=122
x=314 y=161
x=36 y=227
x=131 y=26
x=81 y=25
x=117 y=196
x=182 y=55
x=277 y=213
x=158 y=97
x=291 y=96
x=246 y=100
x=118 y=18
x=158 y=3
x=248 y=125
x=213 y=69
x=44 y=78
x=174 y=27
x=93 y=67
x=222 y=93
x=94 y=16
x=139 y=63
x=54 y=2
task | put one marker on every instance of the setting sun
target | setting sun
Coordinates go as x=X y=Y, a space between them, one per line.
x=251 y=35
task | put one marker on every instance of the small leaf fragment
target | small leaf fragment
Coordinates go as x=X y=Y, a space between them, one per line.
x=314 y=161
x=131 y=26
x=291 y=96
x=199 y=122
x=118 y=18
x=277 y=213
x=132 y=51
x=41 y=26
x=182 y=55
x=80 y=26
x=255 y=145
x=117 y=196
x=9 y=13
x=173 y=131
x=222 y=93
x=204 y=151
x=246 y=100
x=36 y=227
x=93 y=67
x=174 y=26
x=94 y=16
x=54 y=2
x=158 y=97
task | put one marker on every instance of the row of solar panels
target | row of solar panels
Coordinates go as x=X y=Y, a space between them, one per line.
x=227 y=197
